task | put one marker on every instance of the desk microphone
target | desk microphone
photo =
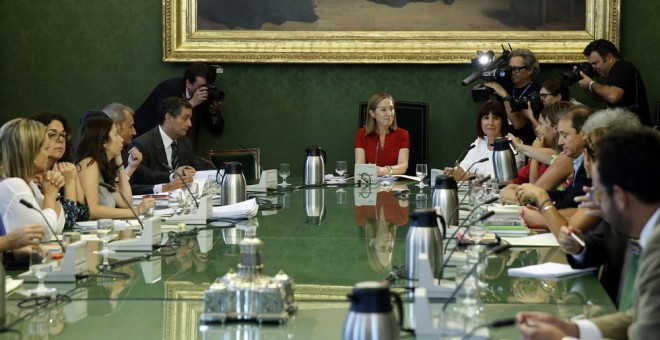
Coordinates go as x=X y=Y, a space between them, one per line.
x=130 y=205
x=460 y=157
x=376 y=156
x=468 y=170
x=207 y=162
x=493 y=251
x=30 y=206
x=182 y=180
x=481 y=218
x=493 y=324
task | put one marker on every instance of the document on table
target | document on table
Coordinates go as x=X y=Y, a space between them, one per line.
x=539 y=240
x=549 y=270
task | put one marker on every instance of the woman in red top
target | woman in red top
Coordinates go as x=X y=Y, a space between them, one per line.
x=381 y=141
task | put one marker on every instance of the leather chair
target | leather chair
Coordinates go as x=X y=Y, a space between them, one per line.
x=249 y=158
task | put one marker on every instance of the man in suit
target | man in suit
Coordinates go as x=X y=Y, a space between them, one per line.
x=166 y=146
x=122 y=115
x=625 y=185
x=193 y=87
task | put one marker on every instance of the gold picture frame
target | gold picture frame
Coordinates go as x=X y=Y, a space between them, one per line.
x=184 y=42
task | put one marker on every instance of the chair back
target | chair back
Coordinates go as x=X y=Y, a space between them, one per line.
x=249 y=159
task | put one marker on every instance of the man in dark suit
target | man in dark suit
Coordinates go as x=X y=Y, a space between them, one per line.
x=166 y=146
x=625 y=185
x=193 y=87
x=132 y=157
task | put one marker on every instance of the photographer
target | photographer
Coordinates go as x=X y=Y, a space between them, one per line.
x=524 y=67
x=624 y=88
x=196 y=86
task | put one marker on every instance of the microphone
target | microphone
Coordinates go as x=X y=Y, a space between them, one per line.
x=461 y=155
x=453 y=250
x=493 y=251
x=376 y=157
x=130 y=205
x=207 y=162
x=182 y=180
x=30 y=206
x=468 y=170
x=493 y=324
x=254 y=154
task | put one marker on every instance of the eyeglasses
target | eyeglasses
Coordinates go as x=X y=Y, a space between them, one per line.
x=517 y=69
x=54 y=135
x=544 y=95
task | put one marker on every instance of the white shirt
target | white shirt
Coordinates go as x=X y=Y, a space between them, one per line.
x=480 y=151
x=588 y=329
x=16 y=215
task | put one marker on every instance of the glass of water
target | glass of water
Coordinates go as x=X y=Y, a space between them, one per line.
x=105 y=228
x=467 y=297
x=284 y=171
x=421 y=172
x=341 y=168
x=174 y=200
x=40 y=265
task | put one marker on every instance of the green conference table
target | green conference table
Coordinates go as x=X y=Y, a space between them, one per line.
x=323 y=241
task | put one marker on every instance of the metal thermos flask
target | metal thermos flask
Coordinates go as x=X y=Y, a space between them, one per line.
x=232 y=188
x=445 y=198
x=370 y=316
x=314 y=165
x=424 y=237
x=504 y=162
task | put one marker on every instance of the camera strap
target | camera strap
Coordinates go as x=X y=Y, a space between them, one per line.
x=522 y=94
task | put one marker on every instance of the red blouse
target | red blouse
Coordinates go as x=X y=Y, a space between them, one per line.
x=388 y=154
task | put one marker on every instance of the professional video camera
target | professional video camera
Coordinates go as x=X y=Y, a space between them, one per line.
x=489 y=69
x=569 y=78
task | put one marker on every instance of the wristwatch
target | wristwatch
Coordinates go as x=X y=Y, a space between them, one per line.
x=591 y=83
x=508 y=98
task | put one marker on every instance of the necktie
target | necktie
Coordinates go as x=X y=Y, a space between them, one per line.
x=175 y=155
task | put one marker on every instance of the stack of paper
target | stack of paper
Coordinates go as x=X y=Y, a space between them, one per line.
x=239 y=210
x=548 y=270
x=539 y=240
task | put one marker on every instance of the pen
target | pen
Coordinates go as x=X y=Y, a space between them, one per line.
x=577 y=239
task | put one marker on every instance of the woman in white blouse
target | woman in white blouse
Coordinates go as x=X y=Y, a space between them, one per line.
x=24 y=159
x=491 y=124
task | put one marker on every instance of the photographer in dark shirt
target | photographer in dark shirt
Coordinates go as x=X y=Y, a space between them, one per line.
x=624 y=88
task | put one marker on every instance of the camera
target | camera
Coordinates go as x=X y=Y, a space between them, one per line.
x=574 y=76
x=534 y=98
x=213 y=92
x=489 y=69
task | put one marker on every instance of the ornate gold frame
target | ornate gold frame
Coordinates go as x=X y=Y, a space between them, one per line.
x=182 y=41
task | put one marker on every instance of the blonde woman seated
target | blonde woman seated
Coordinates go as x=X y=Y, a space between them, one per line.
x=98 y=155
x=381 y=141
x=24 y=150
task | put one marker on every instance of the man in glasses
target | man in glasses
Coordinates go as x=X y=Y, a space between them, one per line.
x=625 y=185
x=624 y=87
x=524 y=68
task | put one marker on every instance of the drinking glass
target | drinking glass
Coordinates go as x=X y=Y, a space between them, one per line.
x=174 y=200
x=420 y=171
x=476 y=232
x=341 y=168
x=40 y=265
x=104 y=231
x=467 y=297
x=284 y=171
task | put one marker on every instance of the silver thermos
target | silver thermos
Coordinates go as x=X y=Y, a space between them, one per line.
x=445 y=198
x=314 y=165
x=232 y=188
x=424 y=237
x=504 y=162
x=315 y=205
x=370 y=316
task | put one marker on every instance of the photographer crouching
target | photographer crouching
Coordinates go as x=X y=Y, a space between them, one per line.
x=517 y=101
x=624 y=87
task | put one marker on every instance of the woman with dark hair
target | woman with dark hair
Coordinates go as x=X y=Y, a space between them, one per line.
x=98 y=154
x=491 y=124
x=59 y=158
x=24 y=150
x=381 y=141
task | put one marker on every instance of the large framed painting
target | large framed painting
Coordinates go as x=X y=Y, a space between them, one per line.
x=382 y=31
